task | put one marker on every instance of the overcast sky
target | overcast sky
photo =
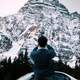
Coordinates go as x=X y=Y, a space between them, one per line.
x=8 y=7
x=72 y=5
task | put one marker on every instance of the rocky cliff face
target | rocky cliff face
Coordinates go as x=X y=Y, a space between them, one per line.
x=49 y=18
x=5 y=43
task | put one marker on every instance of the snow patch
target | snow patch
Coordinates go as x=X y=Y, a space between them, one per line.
x=72 y=62
x=13 y=52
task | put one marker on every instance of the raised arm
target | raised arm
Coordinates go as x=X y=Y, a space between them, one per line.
x=32 y=55
x=51 y=50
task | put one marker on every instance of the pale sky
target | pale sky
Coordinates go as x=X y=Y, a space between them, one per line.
x=72 y=5
x=8 y=7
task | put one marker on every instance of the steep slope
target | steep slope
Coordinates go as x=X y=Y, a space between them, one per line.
x=49 y=18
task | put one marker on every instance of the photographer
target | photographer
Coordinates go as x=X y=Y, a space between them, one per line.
x=42 y=57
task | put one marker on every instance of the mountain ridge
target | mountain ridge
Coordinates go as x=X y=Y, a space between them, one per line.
x=52 y=20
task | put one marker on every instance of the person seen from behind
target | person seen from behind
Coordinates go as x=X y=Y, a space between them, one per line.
x=42 y=57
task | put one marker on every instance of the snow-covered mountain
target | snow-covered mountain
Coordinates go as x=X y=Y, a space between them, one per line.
x=47 y=17
x=5 y=43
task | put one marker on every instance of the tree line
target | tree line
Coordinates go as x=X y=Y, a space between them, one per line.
x=21 y=66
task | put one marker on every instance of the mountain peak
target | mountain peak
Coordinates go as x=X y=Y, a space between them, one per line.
x=44 y=1
x=60 y=7
x=75 y=15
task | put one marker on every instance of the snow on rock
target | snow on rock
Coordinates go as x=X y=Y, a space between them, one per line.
x=49 y=18
x=13 y=52
x=5 y=43
x=56 y=59
x=72 y=62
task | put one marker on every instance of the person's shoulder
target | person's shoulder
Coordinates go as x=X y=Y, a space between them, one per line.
x=49 y=47
x=35 y=49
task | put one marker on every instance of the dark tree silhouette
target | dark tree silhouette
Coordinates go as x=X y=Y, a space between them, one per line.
x=21 y=66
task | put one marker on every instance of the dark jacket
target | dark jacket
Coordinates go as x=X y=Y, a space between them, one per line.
x=42 y=59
